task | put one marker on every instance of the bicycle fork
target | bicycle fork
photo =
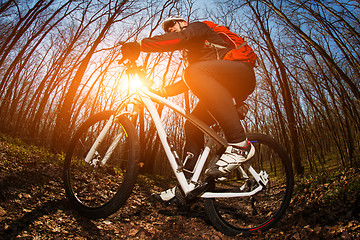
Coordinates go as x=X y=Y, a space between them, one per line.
x=91 y=156
x=93 y=150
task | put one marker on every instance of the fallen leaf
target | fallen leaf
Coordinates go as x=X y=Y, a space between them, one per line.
x=296 y=236
x=346 y=235
x=2 y=211
x=133 y=232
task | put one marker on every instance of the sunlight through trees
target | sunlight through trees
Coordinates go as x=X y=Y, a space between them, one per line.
x=58 y=66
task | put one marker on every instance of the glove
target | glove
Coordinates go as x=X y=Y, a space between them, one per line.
x=131 y=50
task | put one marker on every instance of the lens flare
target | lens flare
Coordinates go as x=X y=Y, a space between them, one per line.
x=135 y=83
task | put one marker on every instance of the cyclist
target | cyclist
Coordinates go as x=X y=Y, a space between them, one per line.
x=216 y=83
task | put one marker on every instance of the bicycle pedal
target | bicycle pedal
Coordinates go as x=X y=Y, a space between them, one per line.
x=197 y=191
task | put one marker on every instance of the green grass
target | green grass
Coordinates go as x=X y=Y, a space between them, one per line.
x=335 y=186
x=16 y=149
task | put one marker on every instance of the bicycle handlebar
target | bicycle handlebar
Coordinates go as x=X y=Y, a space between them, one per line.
x=133 y=69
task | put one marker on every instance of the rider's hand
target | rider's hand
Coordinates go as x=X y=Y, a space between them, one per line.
x=131 y=50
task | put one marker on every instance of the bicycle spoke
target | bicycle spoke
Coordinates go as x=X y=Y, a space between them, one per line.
x=260 y=211
x=92 y=183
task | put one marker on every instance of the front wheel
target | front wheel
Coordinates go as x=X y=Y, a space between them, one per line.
x=99 y=177
x=259 y=212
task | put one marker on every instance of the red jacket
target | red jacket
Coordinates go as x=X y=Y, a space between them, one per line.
x=196 y=39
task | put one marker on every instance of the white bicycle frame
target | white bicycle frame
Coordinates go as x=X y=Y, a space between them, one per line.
x=148 y=98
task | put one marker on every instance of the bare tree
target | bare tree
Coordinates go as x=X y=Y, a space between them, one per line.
x=332 y=64
x=61 y=131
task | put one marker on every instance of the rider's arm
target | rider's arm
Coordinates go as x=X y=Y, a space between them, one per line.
x=161 y=43
x=176 y=88
x=171 y=90
x=193 y=35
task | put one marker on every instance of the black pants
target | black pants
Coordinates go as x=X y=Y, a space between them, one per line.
x=216 y=83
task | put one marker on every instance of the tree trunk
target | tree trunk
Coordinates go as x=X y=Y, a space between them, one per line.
x=61 y=131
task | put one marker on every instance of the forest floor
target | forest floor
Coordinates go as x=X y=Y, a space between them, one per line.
x=33 y=206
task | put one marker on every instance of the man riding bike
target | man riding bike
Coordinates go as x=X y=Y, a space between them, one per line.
x=215 y=81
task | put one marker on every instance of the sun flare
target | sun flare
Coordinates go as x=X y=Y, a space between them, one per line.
x=134 y=83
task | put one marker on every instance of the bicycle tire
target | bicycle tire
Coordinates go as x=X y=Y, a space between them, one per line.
x=247 y=215
x=98 y=191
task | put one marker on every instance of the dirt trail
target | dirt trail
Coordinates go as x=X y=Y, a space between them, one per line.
x=33 y=206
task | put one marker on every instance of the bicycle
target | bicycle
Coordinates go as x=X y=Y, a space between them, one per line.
x=101 y=167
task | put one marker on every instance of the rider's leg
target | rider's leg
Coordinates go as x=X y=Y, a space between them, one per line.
x=215 y=83
x=194 y=138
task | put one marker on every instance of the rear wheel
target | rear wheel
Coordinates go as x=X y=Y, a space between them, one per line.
x=96 y=189
x=259 y=212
